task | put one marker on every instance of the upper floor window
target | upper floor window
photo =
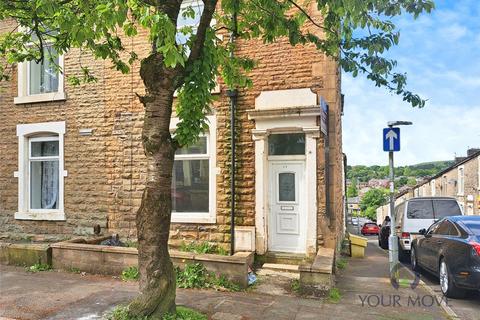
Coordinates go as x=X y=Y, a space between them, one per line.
x=43 y=76
x=41 y=81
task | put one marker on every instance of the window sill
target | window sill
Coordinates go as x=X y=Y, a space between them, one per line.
x=46 y=216
x=192 y=217
x=43 y=97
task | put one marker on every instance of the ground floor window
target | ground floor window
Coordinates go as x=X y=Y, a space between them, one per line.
x=194 y=179
x=190 y=185
x=41 y=171
x=44 y=173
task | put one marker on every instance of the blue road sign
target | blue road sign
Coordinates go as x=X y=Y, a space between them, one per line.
x=391 y=139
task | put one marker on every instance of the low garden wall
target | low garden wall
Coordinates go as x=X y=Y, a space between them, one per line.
x=110 y=260
x=25 y=254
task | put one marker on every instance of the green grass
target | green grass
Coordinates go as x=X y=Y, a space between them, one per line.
x=183 y=313
x=37 y=267
x=130 y=273
x=342 y=263
x=196 y=276
x=203 y=248
x=334 y=295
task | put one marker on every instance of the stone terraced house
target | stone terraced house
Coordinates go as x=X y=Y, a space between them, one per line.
x=72 y=156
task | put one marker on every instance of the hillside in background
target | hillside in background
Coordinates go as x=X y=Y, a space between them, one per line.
x=421 y=170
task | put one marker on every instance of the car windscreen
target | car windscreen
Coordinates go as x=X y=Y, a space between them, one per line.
x=420 y=209
x=474 y=226
x=446 y=208
x=369 y=225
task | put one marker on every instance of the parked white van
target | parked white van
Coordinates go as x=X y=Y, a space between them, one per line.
x=420 y=213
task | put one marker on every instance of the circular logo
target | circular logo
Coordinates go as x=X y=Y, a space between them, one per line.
x=397 y=283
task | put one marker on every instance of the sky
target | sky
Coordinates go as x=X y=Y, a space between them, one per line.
x=440 y=52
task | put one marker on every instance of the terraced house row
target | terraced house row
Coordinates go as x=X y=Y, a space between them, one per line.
x=72 y=156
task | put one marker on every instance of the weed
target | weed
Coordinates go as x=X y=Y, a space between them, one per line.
x=203 y=247
x=74 y=270
x=185 y=314
x=38 y=267
x=334 y=295
x=131 y=244
x=295 y=285
x=121 y=313
x=342 y=263
x=131 y=273
x=196 y=276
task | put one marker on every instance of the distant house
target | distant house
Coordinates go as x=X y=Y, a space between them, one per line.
x=353 y=206
x=461 y=181
x=378 y=183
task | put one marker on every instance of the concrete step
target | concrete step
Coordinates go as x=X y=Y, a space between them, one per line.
x=284 y=258
x=282 y=267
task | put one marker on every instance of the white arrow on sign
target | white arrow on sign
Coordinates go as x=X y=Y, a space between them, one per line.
x=391 y=136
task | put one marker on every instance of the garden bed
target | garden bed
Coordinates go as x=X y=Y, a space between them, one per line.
x=101 y=259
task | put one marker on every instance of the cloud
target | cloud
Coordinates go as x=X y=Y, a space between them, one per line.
x=439 y=131
x=440 y=54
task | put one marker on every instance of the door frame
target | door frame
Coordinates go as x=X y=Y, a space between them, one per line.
x=272 y=194
x=262 y=185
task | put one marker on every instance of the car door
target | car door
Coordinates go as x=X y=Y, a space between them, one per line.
x=424 y=246
x=439 y=243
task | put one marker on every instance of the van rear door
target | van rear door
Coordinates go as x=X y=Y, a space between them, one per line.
x=419 y=215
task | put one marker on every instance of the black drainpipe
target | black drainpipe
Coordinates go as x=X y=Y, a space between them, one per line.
x=233 y=94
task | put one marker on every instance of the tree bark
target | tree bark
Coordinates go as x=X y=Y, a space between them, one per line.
x=157 y=275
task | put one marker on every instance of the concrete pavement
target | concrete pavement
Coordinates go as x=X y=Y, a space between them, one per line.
x=365 y=284
x=364 y=288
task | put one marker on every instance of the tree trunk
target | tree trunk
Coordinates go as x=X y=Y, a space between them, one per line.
x=157 y=276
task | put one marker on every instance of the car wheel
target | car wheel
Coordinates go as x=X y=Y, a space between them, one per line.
x=447 y=285
x=414 y=261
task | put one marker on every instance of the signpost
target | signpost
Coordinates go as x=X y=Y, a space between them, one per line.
x=391 y=144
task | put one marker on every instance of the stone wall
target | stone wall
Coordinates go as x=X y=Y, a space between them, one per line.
x=106 y=170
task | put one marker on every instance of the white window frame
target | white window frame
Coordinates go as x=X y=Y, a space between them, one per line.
x=211 y=215
x=23 y=80
x=461 y=181
x=26 y=134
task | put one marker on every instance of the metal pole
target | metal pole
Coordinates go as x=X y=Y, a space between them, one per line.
x=392 y=239
x=233 y=94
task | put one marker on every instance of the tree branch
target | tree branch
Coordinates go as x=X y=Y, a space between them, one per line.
x=205 y=20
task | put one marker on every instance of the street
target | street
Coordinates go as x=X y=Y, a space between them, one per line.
x=467 y=308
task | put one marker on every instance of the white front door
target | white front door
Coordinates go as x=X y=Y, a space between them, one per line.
x=287 y=219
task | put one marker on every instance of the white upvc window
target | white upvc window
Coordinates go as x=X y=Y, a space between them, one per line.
x=40 y=171
x=41 y=81
x=194 y=179
x=461 y=181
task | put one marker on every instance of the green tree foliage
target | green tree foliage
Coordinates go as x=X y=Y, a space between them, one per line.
x=352 y=190
x=370 y=213
x=365 y=173
x=356 y=33
x=373 y=198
